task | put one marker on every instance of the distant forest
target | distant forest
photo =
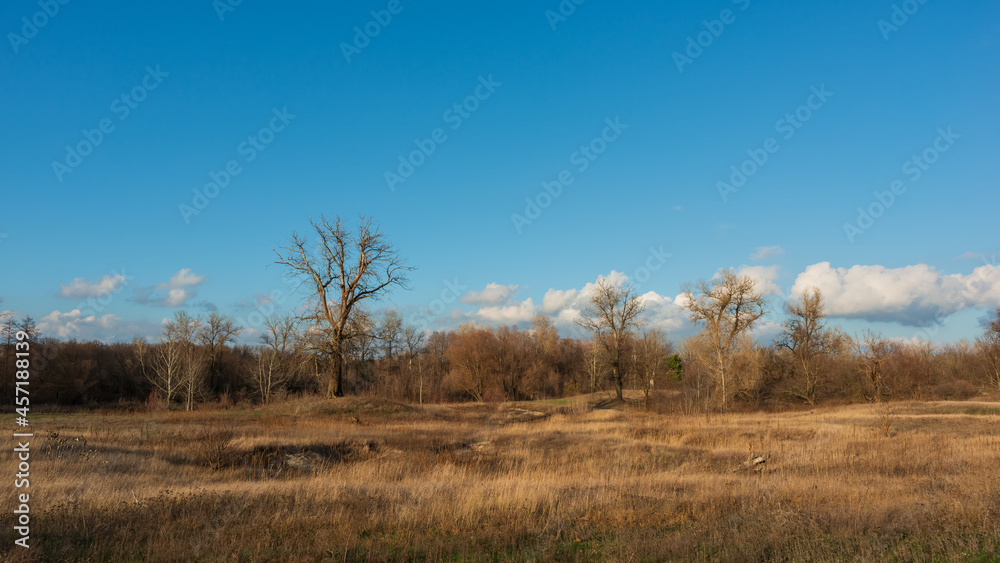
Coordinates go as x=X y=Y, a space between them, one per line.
x=197 y=362
x=342 y=347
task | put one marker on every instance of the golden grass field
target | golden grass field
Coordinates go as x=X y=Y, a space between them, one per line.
x=557 y=480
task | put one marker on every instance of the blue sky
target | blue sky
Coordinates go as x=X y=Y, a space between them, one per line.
x=839 y=98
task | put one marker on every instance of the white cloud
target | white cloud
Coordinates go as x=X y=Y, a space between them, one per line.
x=916 y=295
x=664 y=312
x=766 y=252
x=174 y=293
x=492 y=294
x=75 y=324
x=511 y=314
x=565 y=306
x=766 y=278
x=80 y=288
x=556 y=300
x=183 y=278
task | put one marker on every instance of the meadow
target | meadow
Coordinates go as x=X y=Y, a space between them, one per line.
x=580 y=479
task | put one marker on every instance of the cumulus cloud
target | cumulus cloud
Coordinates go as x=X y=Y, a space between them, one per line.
x=492 y=294
x=565 y=307
x=766 y=278
x=80 y=288
x=74 y=324
x=767 y=252
x=510 y=314
x=556 y=300
x=664 y=312
x=174 y=293
x=916 y=295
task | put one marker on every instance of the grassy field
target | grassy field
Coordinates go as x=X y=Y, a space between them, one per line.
x=303 y=481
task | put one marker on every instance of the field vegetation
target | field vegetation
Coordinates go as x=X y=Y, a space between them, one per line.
x=581 y=479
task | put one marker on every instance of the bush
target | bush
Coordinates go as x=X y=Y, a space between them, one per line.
x=213 y=447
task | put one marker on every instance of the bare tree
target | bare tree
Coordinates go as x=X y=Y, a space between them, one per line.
x=650 y=355
x=810 y=343
x=545 y=352
x=217 y=331
x=413 y=339
x=613 y=317
x=390 y=333
x=873 y=355
x=160 y=364
x=183 y=332
x=342 y=269
x=274 y=364
x=988 y=346
x=726 y=307
x=595 y=359
x=698 y=358
x=28 y=326
x=362 y=346
x=470 y=355
x=511 y=360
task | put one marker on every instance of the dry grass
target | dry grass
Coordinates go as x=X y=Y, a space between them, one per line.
x=541 y=481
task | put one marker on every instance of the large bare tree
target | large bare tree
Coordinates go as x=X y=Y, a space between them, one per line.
x=613 y=317
x=342 y=268
x=810 y=343
x=726 y=307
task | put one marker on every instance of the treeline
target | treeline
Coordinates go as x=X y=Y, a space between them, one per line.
x=196 y=360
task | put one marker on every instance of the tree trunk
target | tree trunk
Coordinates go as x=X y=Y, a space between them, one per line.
x=722 y=377
x=618 y=383
x=336 y=388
